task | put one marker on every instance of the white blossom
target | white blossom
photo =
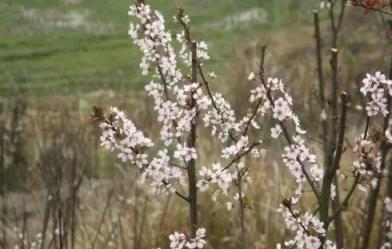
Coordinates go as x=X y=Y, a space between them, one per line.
x=276 y=131
x=301 y=225
x=184 y=152
x=215 y=175
x=180 y=240
x=251 y=76
x=376 y=87
x=235 y=149
x=368 y=162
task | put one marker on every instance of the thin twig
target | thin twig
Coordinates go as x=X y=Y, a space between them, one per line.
x=239 y=156
x=102 y=220
x=346 y=199
x=284 y=129
x=353 y=186
x=191 y=143
x=342 y=129
x=202 y=76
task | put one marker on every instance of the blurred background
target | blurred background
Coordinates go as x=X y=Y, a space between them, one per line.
x=59 y=58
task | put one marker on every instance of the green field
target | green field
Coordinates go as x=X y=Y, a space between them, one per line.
x=71 y=47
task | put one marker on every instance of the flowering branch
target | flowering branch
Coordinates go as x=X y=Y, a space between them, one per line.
x=374 y=195
x=188 y=39
x=241 y=155
x=182 y=106
x=121 y=134
x=280 y=123
x=353 y=187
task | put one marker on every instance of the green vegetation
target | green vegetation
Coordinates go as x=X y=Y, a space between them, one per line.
x=77 y=46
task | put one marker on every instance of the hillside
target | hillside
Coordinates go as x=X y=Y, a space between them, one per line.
x=78 y=46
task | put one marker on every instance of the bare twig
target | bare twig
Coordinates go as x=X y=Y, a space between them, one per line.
x=346 y=200
x=330 y=170
x=239 y=156
x=191 y=142
x=374 y=194
x=342 y=129
x=241 y=208
x=336 y=161
x=353 y=186
x=102 y=220
x=320 y=73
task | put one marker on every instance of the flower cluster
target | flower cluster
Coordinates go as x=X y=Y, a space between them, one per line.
x=297 y=156
x=162 y=173
x=221 y=119
x=281 y=110
x=272 y=97
x=215 y=175
x=185 y=153
x=120 y=133
x=170 y=97
x=367 y=166
x=224 y=179
x=308 y=228
x=186 y=55
x=276 y=131
x=259 y=93
x=151 y=38
x=376 y=87
x=180 y=240
x=235 y=149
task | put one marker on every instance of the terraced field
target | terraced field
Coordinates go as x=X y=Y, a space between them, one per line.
x=70 y=47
